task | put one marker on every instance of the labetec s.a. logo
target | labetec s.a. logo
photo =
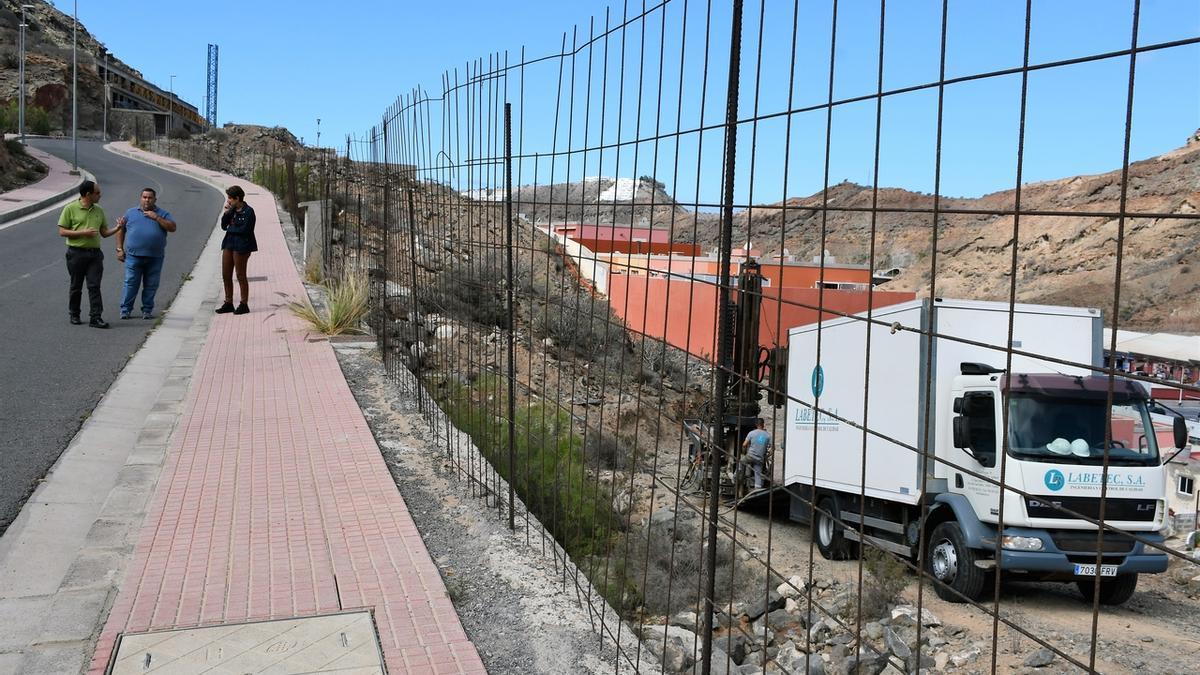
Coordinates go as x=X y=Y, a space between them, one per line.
x=1093 y=481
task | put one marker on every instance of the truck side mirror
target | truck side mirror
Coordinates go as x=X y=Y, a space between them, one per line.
x=962 y=432
x=1181 y=433
x=975 y=428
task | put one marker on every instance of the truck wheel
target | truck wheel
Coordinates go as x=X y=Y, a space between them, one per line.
x=1113 y=591
x=829 y=533
x=951 y=562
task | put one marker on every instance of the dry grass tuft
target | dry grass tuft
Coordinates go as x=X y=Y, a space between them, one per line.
x=346 y=304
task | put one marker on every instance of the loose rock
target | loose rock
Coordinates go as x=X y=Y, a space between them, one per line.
x=1039 y=659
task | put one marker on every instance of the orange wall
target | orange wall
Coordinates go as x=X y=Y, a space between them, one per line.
x=685 y=312
x=787 y=275
x=661 y=248
x=807 y=276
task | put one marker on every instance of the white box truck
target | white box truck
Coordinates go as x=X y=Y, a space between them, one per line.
x=940 y=472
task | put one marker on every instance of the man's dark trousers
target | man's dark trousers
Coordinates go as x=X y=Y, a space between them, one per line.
x=85 y=264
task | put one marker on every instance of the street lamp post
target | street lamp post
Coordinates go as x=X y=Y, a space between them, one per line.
x=75 y=91
x=21 y=68
x=107 y=95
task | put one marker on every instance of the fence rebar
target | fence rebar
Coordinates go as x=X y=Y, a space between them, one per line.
x=581 y=312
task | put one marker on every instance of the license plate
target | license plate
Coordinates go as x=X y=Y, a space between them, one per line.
x=1090 y=570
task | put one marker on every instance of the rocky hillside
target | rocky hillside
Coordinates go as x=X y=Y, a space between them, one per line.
x=238 y=149
x=594 y=200
x=1066 y=258
x=48 y=64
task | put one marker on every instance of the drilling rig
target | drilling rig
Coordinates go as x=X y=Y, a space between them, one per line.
x=746 y=367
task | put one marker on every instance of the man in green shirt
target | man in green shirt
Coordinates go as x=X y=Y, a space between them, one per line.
x=82 y=223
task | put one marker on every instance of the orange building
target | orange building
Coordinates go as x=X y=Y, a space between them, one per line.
x=776 y=272
x=668 y=290
x=607 y=238
x=683 y=312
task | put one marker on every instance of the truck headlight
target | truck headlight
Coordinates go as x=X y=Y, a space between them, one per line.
x=1021 y=543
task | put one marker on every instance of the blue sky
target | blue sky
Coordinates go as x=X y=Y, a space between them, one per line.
x=290 y=63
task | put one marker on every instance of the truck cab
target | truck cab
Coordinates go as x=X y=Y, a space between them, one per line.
x=1062 y=430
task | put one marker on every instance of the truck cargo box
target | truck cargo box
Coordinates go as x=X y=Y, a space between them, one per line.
x=897 y=387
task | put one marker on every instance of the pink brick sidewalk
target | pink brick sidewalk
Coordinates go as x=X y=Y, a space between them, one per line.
x=274 y=500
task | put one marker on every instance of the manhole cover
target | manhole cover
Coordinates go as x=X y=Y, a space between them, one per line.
x=340 y=643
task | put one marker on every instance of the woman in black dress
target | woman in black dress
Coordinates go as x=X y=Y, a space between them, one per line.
x=236 y=247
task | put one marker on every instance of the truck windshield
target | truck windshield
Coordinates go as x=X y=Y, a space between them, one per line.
x=1071 y=431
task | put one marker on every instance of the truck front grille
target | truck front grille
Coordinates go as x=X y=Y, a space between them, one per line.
x=1115 y=509
x=1085 y=541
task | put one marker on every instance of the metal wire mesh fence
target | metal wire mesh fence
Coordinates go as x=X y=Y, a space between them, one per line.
x=646 y=352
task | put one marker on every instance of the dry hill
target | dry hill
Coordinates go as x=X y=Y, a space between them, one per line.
x=48 y=65
x=1067 y=258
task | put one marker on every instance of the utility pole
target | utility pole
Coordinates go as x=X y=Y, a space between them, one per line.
x=75 y=91
x=171 y=109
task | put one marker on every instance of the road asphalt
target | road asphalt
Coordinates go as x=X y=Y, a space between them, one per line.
x=55 y=373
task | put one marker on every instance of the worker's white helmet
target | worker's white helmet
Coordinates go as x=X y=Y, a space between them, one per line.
x=1059 y=446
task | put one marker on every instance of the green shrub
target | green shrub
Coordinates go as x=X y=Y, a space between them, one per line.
x=606 y=451
x=578 y=323
x=469 y=292
x=15 y=148
x=884 y=580
x=666 y=555
x=37 y=120
x=8 y=118
x=549 y=464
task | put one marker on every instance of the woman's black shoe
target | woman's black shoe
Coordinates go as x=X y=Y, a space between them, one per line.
x=242 y=309
x=225 y=308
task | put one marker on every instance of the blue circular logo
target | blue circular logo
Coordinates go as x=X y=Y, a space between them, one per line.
x=818 y=380
x=1055 y=480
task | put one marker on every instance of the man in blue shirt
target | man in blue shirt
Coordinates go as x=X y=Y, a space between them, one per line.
x=141 y=245
x=755 y=448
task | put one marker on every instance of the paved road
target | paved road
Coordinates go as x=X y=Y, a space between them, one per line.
x=52 y=373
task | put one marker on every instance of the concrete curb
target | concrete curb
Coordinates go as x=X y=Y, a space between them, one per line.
x=124 y=149
x=50 y=200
